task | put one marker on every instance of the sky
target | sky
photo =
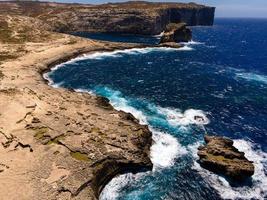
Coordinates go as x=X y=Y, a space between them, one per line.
x=224 y=8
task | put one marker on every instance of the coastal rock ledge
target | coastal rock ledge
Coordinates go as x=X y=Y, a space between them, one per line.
x=220 y=156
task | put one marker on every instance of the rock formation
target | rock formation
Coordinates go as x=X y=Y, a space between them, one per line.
x=176 y=33
x=136 y=17
x=220 y=156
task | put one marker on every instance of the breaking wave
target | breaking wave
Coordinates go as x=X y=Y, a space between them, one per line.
x=252 y=77
x=191 y=116
x=258 y=190
x=192 y=42
x=113 y=188
x=165 y=150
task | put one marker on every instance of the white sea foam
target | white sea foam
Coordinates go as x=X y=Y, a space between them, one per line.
x=46 y=77
x=133 y=51
x=165 y=150
x=166 y=147
x=191 y=116
x=163 y=154
x=258 y=190
x=83 y=91
x=120 y=103
x=159 y=35
x=185 y=48
x=113 y=188
x=252 y=77
x=192 y=42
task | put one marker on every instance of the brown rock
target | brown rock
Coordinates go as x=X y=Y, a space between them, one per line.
x=128 y=117
x=176 y=33
x=103 y=102
x=170 y=45
x=220 y=156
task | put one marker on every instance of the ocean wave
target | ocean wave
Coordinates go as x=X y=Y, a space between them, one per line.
x=185 y=48
x=113 y=188
x=159 y=35
x=133 y=51
x=252 y=77
x=258 y=190
x=46 y=76
x=83 y=91
x=165 y=150
x=192 y=42
x=178 y=118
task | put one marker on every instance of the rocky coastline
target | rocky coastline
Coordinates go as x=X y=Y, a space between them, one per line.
x=68 y=145
x=136 y=17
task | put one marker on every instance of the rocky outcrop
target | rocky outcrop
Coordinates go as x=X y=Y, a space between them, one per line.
x=220 y=156
x=137 y=17
x=176 y=33
x=170 y=45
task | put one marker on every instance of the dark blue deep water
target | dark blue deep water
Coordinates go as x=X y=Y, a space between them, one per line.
x=221 y=76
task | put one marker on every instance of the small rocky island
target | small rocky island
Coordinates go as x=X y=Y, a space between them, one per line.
x=220 y=156
x=174 y=34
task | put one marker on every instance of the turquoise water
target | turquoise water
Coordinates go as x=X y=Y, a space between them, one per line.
x=221 y=76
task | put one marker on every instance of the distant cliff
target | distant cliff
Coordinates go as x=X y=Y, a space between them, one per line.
x=131 y=17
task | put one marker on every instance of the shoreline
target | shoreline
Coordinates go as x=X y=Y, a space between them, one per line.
x=42 y=126
x=132 y=168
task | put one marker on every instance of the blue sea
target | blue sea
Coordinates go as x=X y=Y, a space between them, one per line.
x=221 y=75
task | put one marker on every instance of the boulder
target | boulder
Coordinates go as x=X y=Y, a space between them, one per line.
x=176 y=33
x=220 y=156
x=103 y=102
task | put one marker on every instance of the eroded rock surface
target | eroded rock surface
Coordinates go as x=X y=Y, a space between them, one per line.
x=136 y=17
x=175 y=33
x=56 y=143
x=220 y=156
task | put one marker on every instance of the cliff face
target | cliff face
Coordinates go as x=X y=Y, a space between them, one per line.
x=130 y=17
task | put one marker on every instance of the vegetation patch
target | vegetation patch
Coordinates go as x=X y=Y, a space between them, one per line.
x=55 y=140
x=39 y=132
x=79 y=156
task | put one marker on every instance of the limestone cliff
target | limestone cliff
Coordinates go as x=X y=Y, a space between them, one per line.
x=131 y=17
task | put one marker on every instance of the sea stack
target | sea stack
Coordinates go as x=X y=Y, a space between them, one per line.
x=220 y=156
x=176 y=32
